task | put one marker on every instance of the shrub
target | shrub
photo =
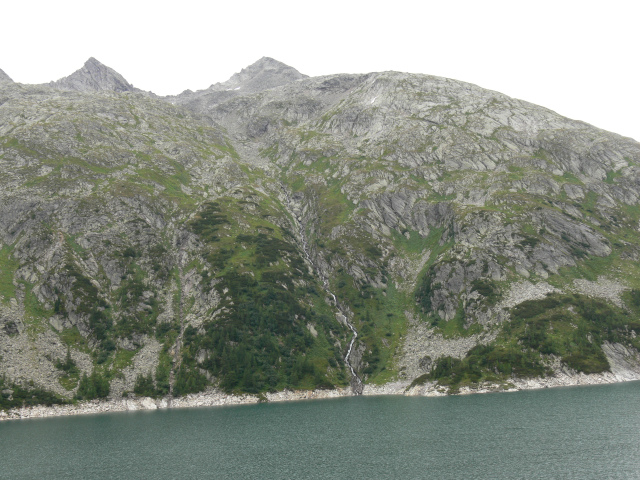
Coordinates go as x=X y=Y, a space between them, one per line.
x=488 y=289
x=68 y=366
x=144 y=386
x=94 y=386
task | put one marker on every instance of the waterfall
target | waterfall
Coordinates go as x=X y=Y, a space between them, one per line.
x=356 y=383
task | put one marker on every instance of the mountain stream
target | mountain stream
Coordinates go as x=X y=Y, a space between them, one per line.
x=356 y=382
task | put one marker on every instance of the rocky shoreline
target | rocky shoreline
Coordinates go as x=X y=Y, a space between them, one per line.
x=217 y=398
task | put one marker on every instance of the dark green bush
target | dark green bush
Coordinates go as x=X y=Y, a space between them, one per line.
x=488 y=289
x=189 y=380
x=69 y=365
x=144 y=386
x=424 y=290
x=93 y=386
x=17 y=396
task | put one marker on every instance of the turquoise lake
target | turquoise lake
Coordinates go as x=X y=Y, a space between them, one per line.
x=563 y=433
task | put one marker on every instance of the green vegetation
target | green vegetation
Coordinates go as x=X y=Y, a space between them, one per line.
x=416 y=243
x=93 y=386
x=456 y=327
x=612 y=175
x=172 y=183
x=186 y=382
x=381 y=324
x=128 y=216
x=72 y=373
x=15 y=396
x=144 y=386
x=90 y=303
x=486 y=363
x=122 y=359
x=8 y=267
x=424 y=291
x=336 y=209
x=34 y=311
x=488 y=289
x=259 y=340
x=73 y=338
x=163 y=374
x=131 y=296
x=426 y=285
x=571 y=327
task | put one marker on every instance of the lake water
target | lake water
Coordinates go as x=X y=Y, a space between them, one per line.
x=564 y=433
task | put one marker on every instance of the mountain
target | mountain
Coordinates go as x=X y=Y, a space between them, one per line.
x=264 y=74
x=4 y=77
x=93 y=77
x=384 y=229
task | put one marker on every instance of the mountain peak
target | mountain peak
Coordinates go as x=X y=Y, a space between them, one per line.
x=93 y=61
x=268 y=62
x=263 y=74
x=94 y=76
x=4 y=77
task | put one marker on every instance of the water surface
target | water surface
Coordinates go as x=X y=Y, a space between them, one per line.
x=564 y=433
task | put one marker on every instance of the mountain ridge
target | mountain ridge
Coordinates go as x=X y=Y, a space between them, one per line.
x=470 y=238
x=250 y=75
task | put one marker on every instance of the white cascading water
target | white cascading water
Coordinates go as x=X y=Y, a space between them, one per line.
x=356 y=383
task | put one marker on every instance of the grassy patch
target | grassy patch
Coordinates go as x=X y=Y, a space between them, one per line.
x=123 y=359
x=611 y=176
x=416 y=243
x=74 y=339
x=456 y=327
x=36 y=314
x=8 y=267
x=70 y=381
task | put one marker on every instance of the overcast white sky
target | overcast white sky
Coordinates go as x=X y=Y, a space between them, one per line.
x=579 y=58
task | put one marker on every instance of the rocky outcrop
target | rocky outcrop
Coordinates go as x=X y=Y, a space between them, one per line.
x=4 y=77
x=264 y=74
x=94 y=77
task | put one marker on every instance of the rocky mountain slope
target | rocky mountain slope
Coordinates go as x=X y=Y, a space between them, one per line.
x=264 y=74
x=93 y=77
x=233 y=237
x=4 y=77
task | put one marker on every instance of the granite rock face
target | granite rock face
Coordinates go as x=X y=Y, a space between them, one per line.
x=4 y=77
x=93 y=77
x=264 y=74
x=162 y=240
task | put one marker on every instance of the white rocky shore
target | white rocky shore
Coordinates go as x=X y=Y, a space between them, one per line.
x=217 y=398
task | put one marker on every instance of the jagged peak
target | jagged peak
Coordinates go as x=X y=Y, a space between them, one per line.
x=4 y=77
x=94 y=76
